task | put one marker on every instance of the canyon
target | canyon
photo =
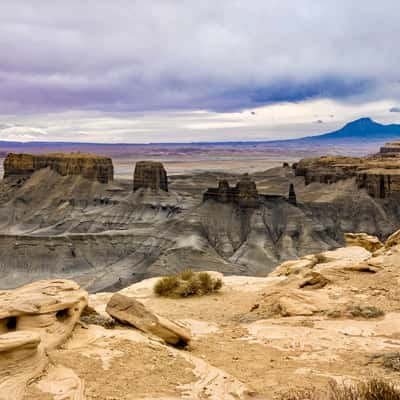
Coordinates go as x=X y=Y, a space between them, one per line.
x=108 y=235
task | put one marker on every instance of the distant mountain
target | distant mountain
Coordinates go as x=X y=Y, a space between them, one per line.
x=363 y=129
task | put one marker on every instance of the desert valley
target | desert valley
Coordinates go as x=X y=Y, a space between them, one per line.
x=307 y=254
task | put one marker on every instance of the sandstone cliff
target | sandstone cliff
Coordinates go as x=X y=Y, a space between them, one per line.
x=378 y=175
x=151 y=175
x=89 y=166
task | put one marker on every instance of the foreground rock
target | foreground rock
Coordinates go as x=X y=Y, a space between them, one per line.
x=90 y=166
x=34 y=319
x=128 y=310
x=368 y=242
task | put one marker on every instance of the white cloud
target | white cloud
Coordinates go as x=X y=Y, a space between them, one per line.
x=281 y=120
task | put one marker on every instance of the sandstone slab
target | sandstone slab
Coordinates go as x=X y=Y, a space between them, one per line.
x=368 y=242
x=128 y=310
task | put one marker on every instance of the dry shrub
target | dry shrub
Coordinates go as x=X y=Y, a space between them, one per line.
x=92 y=317
x=392 y=361
x=187 y=283
x=364 y=311
x=356 y=311
x=374 y=389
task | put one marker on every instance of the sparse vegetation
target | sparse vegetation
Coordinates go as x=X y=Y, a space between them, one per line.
x=392 y=361
x=364 y=311
x=91 y=317
x=187 y=283
x=374 y=389
x=356 y=311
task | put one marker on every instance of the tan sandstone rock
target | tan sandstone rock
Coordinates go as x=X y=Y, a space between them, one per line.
x=368 y=242
x=34 y=319
x=150 y=175
x=128 y=310
x=90 y=166
x=393 y=239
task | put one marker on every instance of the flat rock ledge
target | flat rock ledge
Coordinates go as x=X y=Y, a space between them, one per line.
x=128 y=310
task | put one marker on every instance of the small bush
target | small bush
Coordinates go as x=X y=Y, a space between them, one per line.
x=187 y=283
x=364 y=311
x=392 y=361
x=374 y=389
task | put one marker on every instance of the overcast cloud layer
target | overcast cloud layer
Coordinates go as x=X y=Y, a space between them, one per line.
x=152 y=66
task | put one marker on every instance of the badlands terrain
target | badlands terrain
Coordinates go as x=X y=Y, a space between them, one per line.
x=66 y=216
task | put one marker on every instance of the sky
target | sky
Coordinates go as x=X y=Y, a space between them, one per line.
x=189 y=70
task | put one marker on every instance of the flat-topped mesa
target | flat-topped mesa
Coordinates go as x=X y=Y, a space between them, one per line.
x=379 y=176
x=90 y=166
x=244 y=194
x=150 y=175
x=391 y=149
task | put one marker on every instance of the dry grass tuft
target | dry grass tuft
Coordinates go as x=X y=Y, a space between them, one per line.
x=392 y=361
x=374 y=389
x=364 y=311
x=187 y=283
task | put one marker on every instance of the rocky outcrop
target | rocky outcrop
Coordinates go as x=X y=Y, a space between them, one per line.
x=90 y=166
x=34 y=319
x=150 y=175
x=391 y=149
x=368 y=242
x=128 y=310
x=244 y=194
x=379 y=176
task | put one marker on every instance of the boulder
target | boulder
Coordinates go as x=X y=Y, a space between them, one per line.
x=368 y=242
x=34 y=319
x=128 y=310
x=150 y=175
x=313 y=280
x=90 y=166
x=393 y=239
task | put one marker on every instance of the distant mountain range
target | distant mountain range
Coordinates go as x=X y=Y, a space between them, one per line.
x=364 y=132
x=363 y=129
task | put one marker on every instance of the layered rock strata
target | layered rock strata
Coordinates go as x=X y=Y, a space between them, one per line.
x=244 y=194
x=379 y=176
x=150 y=175
x=90 y=166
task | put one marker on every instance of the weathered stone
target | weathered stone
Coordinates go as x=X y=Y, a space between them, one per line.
x=378 y=175
x=128 y=310
x=368 y=242
x=89 y=166
x=34 y=319
x=244 y=194
x=393 y=239
x=150 y=175
x=314 y=280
